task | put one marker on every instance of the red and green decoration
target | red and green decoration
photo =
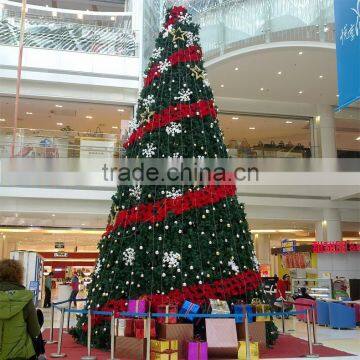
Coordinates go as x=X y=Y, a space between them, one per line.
x=174 y=243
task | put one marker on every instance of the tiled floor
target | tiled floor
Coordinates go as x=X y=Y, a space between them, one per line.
x=345 y=340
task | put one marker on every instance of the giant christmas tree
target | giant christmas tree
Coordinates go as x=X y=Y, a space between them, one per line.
x=180 y=242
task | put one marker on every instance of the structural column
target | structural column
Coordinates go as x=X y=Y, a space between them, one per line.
x=329 y=229
x=325 y=122
x=262 y=248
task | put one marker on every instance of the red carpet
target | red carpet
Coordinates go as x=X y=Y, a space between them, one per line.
x=287 y=346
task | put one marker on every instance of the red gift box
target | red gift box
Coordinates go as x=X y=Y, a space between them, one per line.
x=140 y=328
x=167 y=309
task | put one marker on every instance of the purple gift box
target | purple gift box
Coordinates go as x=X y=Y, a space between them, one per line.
x=137 y=306
x=197 y=350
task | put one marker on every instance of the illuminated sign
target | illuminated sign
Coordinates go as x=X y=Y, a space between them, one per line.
x=336 y=247
x=288 y=246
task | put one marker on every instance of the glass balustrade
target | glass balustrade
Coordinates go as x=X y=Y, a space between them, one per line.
x=227 y=25
x=69 y=30
x=38 y=143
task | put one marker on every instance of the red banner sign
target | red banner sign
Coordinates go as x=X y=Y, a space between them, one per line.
x=336 y=247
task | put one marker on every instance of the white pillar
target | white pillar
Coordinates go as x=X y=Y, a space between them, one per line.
x=262 y=248
x=326 y=123
x=331 y=225
x=319 y=231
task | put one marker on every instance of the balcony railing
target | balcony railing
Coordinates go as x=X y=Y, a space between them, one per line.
x=38 y=143
x=228 y=25
x=69 y=30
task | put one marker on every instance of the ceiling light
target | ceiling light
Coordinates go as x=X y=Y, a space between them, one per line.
x=222 y=85
x=120 y=110
x=82 y=224
x=236 y=69
x=54 y=14
x=358 y=138
x=288 y=122
x=88 y=116
x=279 y=72
x=235 y=118
x=2 y=120
x=58 y=106
x=321 y=76
x=300 y=53
x=115 y=127
x=53 y=215
x=16 y=215
x=300 y=92
x=251 y=128
x=80 y=16
x=29 y=113
x=113 y=18
x=337 y=95
x=262 y=89
x=59 y=124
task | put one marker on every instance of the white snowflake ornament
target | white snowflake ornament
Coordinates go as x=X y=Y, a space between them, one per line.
x=233 y=265
x=171 y=259
x=184 y=95
x=129 y=256
x=173 y=193
x=149 y=151
x=135 y=192
x=164 y=65
x=173 y=129
x=157 y=53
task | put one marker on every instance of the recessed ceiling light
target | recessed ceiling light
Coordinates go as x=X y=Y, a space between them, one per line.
x=53 y=215
x=222 y=85
x=279 y=72
x=235 y=118
x=32 y=129
x=251 y=128
x=262 y=89
x=115 y=127
x=58 y=106
x=358 y=138
x=29 y=113
x=321 y=76
x=59 y=124
x=120 y=110
x=2 y=120
x=236 y=69
x=288 y=122
x=300 y=53
x=300 y=92
x=88 y=116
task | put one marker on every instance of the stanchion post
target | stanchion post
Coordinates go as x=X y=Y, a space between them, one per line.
x=247 y=338
x=148 y=331
x=89 y=328
x=283 y=316
x=314 y=326
x=68 y=317
x=59 y=354
x=112 y=334
x=52 y=341
x=308 y=327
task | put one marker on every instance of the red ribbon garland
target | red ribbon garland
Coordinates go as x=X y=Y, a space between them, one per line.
x=160 y=209
x=176 y=11
x=192 y=53
x=172 y=113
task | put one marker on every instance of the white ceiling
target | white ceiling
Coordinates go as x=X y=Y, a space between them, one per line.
x=259 y=69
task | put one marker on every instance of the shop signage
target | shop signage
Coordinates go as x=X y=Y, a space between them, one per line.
x=347 y=22
x=61 y=254
x=288 y=246
x=59 y=245
x=336 y=247
x=34 y=285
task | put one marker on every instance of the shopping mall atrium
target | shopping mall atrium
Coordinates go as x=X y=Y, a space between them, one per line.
x=270 y=87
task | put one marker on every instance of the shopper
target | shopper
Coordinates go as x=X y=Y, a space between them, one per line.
x=18 y=319
x=282 y=286
x=75 y=288
x=304 y=295
x=48 y=284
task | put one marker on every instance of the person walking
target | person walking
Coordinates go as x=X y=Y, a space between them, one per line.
x=48 y=285
x=75 y=288
x=19 y=326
